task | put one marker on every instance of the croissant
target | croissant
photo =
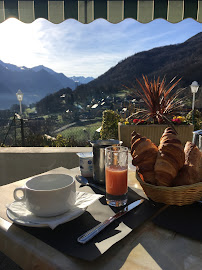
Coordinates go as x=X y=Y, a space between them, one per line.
x=191 y=172
x=144 y=154
x=170 y=158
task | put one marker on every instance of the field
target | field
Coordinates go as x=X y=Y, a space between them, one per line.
x=83 y=132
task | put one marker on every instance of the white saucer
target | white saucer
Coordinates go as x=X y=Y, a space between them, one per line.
x=31 y=220
x=19 y=214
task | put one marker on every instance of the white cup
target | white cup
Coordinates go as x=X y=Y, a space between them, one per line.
x=48 y=195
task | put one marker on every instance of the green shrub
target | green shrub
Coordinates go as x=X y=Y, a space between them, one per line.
x=40 y=140
x=36 y=140
x=197 y=119
x=64 y=142
x=109 y=128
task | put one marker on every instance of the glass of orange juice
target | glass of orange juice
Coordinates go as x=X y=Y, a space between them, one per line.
x=116 y=175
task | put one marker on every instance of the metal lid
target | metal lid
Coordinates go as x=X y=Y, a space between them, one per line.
x=105 y=143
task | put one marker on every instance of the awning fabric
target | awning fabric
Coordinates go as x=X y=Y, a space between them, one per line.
x=112 y=10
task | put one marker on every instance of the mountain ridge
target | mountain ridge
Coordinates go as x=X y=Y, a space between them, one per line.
x=82 y=79
x=181 y=60
x=35 y=83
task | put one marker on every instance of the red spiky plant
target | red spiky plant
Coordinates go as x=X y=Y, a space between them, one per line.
x=158 y=100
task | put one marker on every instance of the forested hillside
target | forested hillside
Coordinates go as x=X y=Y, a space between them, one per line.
x=181 y=60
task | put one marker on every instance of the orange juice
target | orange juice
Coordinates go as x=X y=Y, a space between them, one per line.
x=116 y=180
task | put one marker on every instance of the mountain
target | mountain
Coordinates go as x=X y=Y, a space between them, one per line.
x=65 y=81
x=181 y=60
x=35 y=83
x=82 y=80
x=12 y=67
x=40 y=67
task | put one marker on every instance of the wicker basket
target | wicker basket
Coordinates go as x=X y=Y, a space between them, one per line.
x=180 y=195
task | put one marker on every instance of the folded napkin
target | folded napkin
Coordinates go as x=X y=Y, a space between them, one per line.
x=19 y=214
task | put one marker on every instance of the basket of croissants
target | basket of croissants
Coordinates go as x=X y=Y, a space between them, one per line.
x=170 y=173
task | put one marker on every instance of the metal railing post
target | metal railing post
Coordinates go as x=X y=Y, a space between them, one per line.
x=22 y=132
x=15 y=130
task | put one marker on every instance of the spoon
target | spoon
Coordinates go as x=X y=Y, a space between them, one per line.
x=85 y=182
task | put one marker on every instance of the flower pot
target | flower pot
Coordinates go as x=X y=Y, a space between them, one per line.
x=153 y=132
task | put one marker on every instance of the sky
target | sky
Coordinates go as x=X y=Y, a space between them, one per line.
x=77 y=49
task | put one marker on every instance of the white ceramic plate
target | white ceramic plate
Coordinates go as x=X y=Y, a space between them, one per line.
x=18 y=213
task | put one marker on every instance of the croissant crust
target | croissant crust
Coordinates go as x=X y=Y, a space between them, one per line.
x=144 y=154
x=170 y=158
x=191 y=172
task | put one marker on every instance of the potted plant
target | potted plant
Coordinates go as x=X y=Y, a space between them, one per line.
x=160 y=108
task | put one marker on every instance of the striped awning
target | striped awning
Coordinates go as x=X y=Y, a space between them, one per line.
x=114 y=11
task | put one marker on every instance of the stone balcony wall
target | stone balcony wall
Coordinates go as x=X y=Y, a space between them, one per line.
x=21 y=162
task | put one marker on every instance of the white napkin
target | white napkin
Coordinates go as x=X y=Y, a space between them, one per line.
x=19 y=214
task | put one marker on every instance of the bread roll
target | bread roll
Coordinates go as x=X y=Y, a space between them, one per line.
x=144 y=154
x=191 y=172
x=170 y=158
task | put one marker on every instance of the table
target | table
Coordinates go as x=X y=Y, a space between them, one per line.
x=148 y=247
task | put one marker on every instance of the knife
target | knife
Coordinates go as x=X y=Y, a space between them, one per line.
x=84 y=238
